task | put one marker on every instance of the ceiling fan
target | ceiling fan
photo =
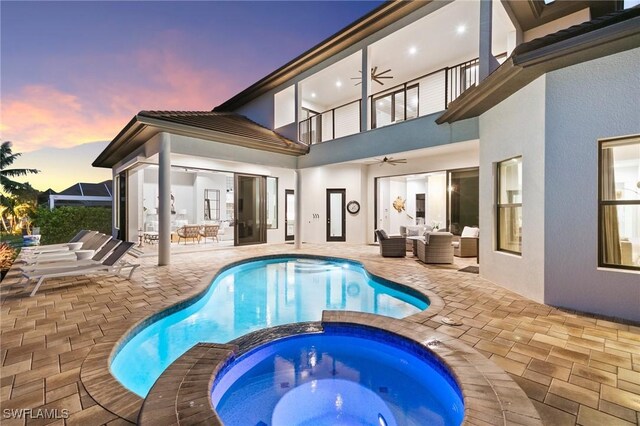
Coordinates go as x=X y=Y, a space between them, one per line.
x=375 y=76
x=388 y=160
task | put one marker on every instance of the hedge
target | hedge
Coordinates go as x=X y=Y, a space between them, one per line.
x=61 y=224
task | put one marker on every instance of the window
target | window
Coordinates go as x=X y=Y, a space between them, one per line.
x=619 y=203
x=284 y=107
x=272 y=203
x=394 y=107
x=510 y=205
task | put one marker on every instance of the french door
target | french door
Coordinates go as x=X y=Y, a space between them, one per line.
x=289 y=215
x=336 y=219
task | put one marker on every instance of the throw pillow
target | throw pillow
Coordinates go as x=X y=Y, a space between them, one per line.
x=413 y=231
x=469 y=232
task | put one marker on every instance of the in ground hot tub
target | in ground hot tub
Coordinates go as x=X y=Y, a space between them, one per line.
x=344 y=375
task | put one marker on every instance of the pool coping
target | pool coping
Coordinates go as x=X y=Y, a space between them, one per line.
x=107 y=391
x=182 y=394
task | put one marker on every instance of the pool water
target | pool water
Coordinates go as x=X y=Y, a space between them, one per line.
x=337 y=379
x=252 y=296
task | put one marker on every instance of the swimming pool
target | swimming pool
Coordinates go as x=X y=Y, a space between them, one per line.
x=340 y=376
x=251 y=296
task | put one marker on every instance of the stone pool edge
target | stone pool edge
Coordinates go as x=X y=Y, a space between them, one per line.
x=182 y=394
x=108 y=392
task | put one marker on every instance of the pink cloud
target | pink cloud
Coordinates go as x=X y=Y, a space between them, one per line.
x=99 y=104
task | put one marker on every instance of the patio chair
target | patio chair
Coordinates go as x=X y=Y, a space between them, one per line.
x=436 y=248
x=467 y=244
x=391 y=246
x=112 y=265
x=209 y=231
x=99 y=256
x=189 y=231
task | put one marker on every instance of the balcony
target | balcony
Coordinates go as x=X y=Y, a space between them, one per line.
x=424 y=95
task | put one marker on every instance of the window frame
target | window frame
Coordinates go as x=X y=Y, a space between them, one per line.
x=602 y=203
x=266 y=190
x=499 y=206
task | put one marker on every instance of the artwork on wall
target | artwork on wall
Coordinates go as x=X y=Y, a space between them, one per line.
x=398 y=204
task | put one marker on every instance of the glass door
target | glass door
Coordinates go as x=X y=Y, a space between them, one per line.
x=251 y=210
x=289 y=214
x=336 y=220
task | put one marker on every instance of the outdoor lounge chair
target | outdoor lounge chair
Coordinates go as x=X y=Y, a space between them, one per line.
x=99 y=256
x=89 y=247
x=391 y=246
x=112 y=264
x=209 y=231
x=80 y=238
x=436 y=248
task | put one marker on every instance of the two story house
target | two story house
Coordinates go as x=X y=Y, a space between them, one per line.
x=520 y=117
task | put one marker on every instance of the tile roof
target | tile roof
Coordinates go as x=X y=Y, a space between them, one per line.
x=579 y=29
x=225 y=122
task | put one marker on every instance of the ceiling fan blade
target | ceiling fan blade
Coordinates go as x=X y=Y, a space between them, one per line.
x=358 y=83
x=384 y=76
x=373 y=71
x=384 y=72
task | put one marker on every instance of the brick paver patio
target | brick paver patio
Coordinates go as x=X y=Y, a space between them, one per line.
x=576 y=369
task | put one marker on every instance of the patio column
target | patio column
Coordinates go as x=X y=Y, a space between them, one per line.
x=488 y=62
x=364 y=106
x=298 y=211
x=164 y=200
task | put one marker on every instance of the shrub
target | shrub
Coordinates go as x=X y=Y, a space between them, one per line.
x=61 y=224
x=7 y=256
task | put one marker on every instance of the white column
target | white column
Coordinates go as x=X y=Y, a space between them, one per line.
x=298 y=211
x=164 y=201
x=488 y=62
x=364 y=109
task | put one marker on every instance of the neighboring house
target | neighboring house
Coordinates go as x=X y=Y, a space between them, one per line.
x=521 y=117
x=79 y=194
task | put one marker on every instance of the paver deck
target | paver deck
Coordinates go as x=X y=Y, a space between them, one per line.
x=576 y=369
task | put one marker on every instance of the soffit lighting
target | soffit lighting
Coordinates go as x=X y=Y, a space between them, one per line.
x=313 y=95
x=461 y=29
x=338 y=83
x=413 y=50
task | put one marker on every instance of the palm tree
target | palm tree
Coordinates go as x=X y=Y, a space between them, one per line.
x=7 y=157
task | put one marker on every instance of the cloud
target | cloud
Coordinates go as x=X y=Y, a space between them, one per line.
x=94 y=102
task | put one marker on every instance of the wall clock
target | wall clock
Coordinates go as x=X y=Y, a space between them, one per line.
x=353 y=207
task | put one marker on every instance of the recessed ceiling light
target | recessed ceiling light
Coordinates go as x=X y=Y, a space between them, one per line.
x=313 y=95
x=461 y=29
x=413 y=50
x=338 y=83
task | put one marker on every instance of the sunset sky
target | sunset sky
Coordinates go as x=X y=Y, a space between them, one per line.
x=74 y=73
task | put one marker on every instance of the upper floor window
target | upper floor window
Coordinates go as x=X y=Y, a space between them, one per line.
x=510 y=205
x=284 y=107
x=619 y=203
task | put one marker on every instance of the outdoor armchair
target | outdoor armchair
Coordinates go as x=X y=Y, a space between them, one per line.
x=391 y=246
x=188 y=231
x=209 y=231
x=467 y=244
x=436 y=248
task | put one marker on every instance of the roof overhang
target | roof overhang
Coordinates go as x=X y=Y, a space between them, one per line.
x=525 y=65
x=528 y=13
x=141 y=128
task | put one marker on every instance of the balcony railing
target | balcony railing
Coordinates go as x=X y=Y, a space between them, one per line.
x=418 y=97
x=337 y=122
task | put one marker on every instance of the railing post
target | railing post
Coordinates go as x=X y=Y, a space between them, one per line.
x=446 y=87
x=333 y=122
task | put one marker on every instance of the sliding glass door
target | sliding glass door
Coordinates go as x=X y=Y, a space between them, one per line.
x=250 y=203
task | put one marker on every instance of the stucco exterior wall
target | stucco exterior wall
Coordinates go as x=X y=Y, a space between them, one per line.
x=515 y=127
x=584 y=103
